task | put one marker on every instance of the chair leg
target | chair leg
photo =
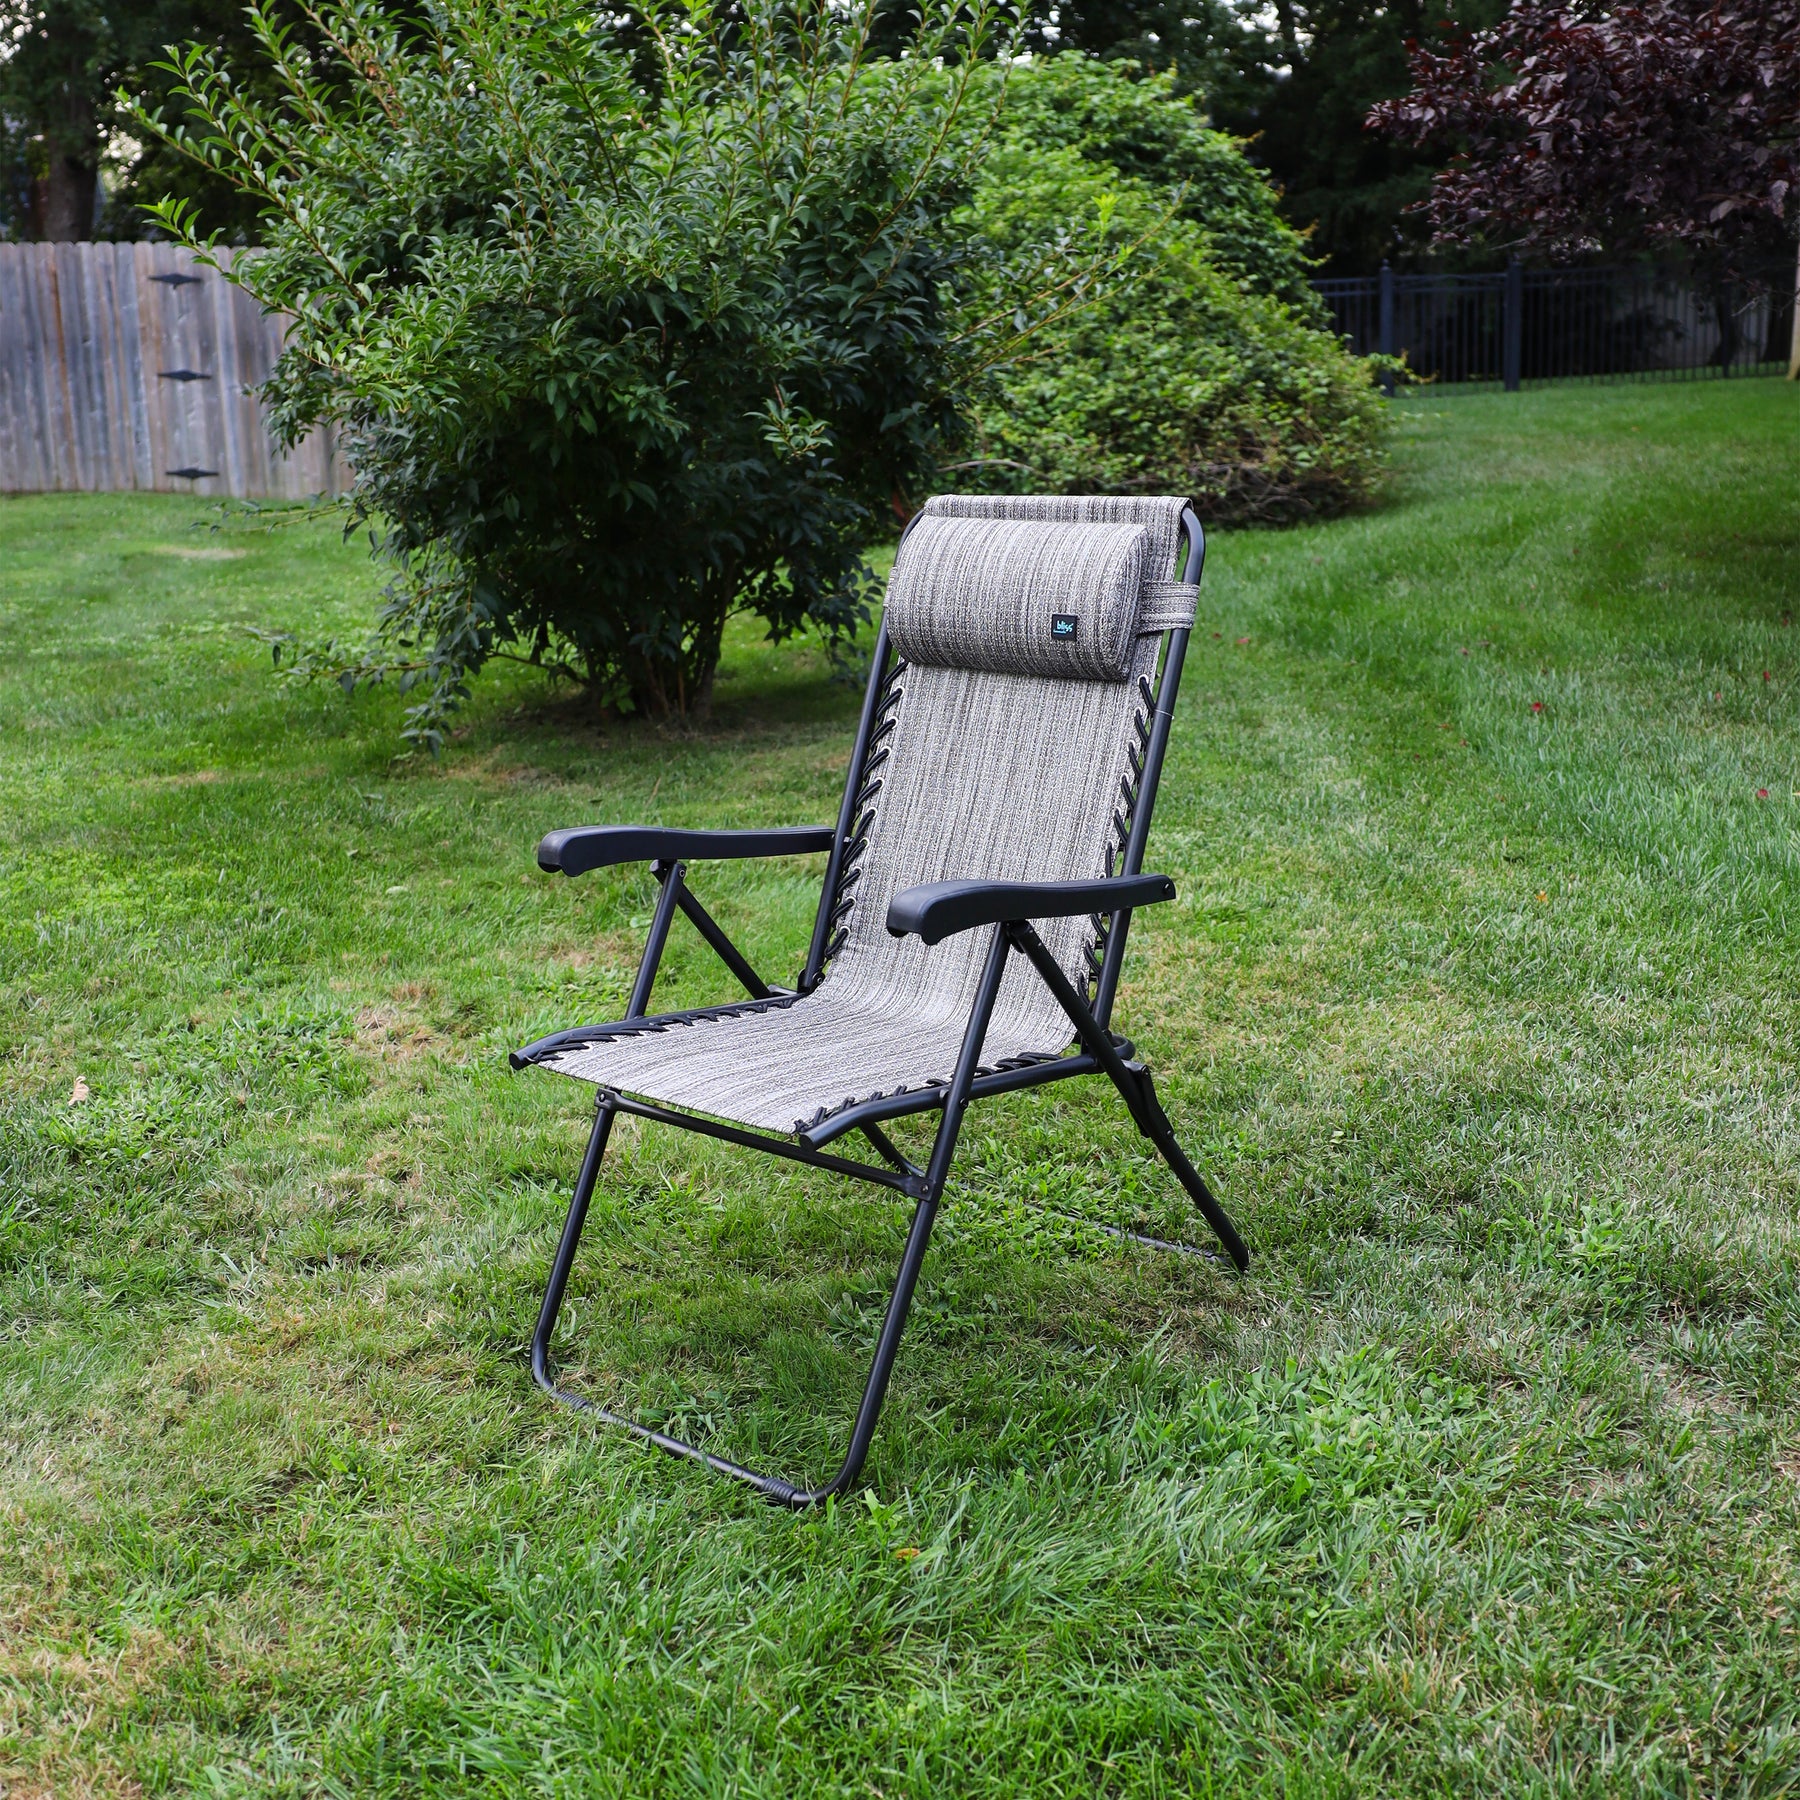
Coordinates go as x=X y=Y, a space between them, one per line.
x=565 y=1254
x=1162 y=1134
x=771 y=1487
x=1135 y=1087
x=893 y=1325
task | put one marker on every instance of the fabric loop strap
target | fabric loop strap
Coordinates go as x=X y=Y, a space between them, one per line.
x=1168 y=606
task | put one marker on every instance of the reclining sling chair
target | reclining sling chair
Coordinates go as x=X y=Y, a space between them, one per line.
x=998 y=801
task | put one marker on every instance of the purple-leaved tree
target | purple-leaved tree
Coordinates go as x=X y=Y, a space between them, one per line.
x=1662 y=127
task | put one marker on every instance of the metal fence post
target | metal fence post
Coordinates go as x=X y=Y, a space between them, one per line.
x=1386 y=343
x=1793 y=373
x=1512 y=325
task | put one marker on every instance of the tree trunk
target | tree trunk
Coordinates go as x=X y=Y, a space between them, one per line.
x=1725 y=307
x=68 y=203
x=681 y=687
x=66 y=195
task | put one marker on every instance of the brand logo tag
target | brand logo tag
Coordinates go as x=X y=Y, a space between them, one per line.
x=1062 y=626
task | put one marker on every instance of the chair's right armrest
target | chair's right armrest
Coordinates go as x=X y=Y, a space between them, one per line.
x=582 y=847
x=939 y=909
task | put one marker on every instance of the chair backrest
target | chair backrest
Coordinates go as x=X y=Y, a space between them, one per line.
x=1008 y=731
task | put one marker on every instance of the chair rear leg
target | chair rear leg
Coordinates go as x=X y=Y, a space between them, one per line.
x=1135 y=1087
x=1156 y=1127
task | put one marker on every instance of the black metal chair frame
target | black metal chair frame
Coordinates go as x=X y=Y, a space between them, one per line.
x=934 y=911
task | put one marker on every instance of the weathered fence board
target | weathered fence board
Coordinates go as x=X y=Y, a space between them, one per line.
x=134 y=366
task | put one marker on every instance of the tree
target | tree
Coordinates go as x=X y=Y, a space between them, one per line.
x=612 y=357
x=1660 y=127
x=1295 y=79
x=61 y=122
x=1214 y=47
x=65 y=58
x=1326 y=64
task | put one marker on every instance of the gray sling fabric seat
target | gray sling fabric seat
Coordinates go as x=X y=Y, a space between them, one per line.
x=981 y=879
x=995 y=764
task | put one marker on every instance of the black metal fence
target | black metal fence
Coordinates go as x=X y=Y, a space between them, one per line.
x=1532 y=325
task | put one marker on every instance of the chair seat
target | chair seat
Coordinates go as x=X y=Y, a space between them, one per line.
x=787 y=1064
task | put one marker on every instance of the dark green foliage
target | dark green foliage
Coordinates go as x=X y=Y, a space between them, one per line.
x=61 y=121
x=1296 y=78
x=1194 y=375
x=1348 y=186
x=1216 y=47
x=1151 y=132
x=614 y=357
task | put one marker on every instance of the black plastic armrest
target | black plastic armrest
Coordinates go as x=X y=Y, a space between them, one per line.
x=937 y=909
x=584 y=847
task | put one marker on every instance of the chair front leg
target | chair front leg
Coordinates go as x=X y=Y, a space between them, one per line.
x=565 y=1252
x=893 y=1324
x=918 y=1238
x=671 y=876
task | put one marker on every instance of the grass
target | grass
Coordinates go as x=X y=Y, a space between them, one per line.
x=1482 y=1018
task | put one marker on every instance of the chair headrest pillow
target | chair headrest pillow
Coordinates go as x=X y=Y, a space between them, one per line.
x=1019 y=596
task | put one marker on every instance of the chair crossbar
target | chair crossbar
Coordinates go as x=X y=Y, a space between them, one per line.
x=928 y=1099
x=906 y=1180
x=1121 y=1234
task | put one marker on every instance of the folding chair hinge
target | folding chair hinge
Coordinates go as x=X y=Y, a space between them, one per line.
x=1148 y=1113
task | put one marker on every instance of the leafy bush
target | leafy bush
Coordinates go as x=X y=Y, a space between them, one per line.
x=626 y=324
x=1202 y=371
x=1140 y=126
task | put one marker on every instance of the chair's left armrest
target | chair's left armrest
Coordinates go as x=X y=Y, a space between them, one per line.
x=584 y=847
x=938 y=909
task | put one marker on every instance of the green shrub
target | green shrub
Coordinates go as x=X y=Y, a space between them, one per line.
x=1204 y=370
x=627 y=323
x=1139 y=126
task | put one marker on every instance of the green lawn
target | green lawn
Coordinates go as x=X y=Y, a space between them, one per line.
x=1483 y=1020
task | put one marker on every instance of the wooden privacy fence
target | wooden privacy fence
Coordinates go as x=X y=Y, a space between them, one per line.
x=133 y=366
